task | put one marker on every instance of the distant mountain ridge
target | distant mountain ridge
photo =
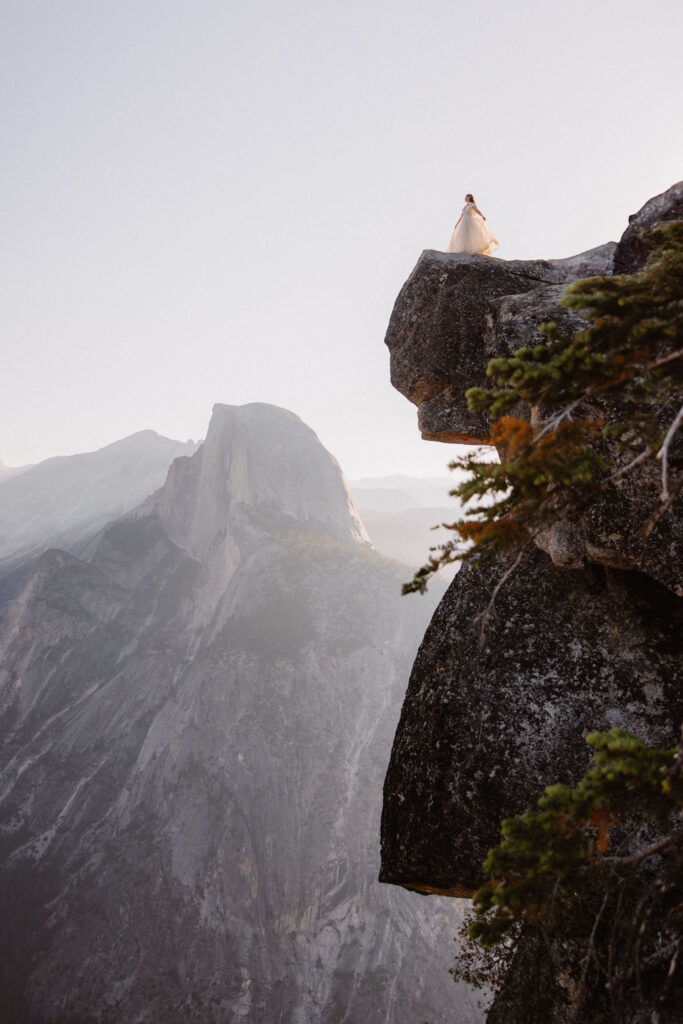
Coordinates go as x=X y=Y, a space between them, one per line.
x=65 y=500
x=426 y=491
x=400 y=512
x=6 y=472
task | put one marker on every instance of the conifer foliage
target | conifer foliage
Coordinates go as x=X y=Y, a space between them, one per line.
x=611 y=893
x=570 y=412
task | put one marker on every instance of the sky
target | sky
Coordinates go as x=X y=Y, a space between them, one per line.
x=218 y=200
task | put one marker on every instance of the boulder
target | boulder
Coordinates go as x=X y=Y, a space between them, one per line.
x=631 y=252
x=456 y=312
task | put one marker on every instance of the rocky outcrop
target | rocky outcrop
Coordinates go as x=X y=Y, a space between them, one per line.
x=456 y=312
x=631 y=253
x=194 y=721
x=585 y=632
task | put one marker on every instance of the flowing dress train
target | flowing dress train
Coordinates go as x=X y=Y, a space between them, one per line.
x=472 y=234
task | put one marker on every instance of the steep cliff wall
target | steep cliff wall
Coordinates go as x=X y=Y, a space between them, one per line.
x=489 y=720
x=585 y=634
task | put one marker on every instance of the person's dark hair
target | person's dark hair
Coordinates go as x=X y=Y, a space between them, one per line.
x=469 y=198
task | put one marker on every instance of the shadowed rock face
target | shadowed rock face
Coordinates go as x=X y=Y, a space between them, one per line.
x=497 y=708
x=585 y=633
x=194 y=722
x=631 y=254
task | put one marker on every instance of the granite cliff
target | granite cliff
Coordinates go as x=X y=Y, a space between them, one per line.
x=586 y=631
x=194 y=719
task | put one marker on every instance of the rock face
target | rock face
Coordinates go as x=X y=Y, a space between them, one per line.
x=630 y=254
x=194 y=720
x=456 y=312
x=586 y=631
x=496 y=710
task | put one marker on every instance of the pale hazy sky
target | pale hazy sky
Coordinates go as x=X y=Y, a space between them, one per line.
x=218 y=200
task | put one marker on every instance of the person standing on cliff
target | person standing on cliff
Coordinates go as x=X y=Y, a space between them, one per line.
x=472 y=234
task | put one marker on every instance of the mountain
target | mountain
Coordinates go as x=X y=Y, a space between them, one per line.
x=416 y=491
x=399 y=513
x=195 y=715
x=64 y=501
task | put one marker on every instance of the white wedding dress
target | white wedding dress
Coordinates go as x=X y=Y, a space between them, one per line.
x=472 y=234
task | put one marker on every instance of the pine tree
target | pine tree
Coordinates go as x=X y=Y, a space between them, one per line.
x=601 y=898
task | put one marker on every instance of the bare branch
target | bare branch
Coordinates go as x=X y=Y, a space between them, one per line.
x=621 y=473
x=554 y=422
x=665 y=359
x=663 y=453
x=591 y=952
x=635 y=858
x=661 y=509
x=504 y=578
x=671 y=973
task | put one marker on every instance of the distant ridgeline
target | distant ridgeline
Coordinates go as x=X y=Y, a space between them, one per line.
x=568 y=619
x=63 y=502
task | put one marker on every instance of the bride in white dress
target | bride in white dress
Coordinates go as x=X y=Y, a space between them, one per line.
x=472 y=234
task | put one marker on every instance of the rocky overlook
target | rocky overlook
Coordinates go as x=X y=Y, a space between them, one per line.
x=457 y=312
x=586 y=632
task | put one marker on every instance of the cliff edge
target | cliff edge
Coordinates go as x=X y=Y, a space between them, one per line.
x=585 y=634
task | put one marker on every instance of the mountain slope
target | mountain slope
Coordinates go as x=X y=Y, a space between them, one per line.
x=6 y=472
